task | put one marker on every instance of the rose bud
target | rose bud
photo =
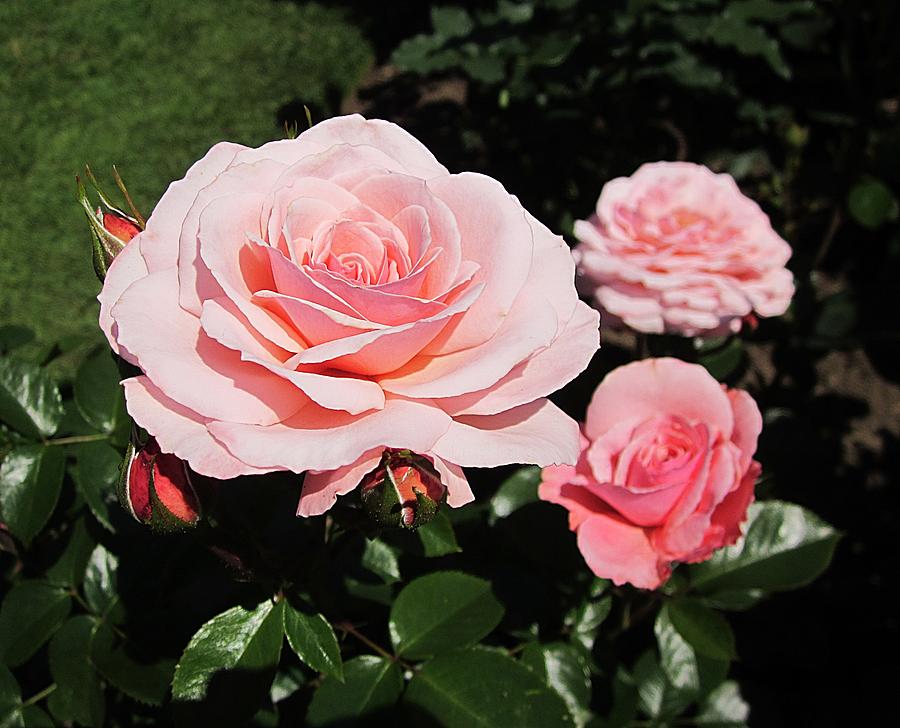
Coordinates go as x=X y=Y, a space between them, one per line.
x=404 y=490
x=155 y=488
x=111 y=228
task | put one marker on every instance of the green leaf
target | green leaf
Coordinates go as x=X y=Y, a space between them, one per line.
x=657 y=697
x=437 y=537
x=707 y=631
x=10 y=701
x=79 y=695
x=723 y=361
x=70 y=567
x=312 y=638
x=451 y=22
x=101 y=588
x=484 y=687
x=871 y=203
x=516 y=491
x=227 y=668
x=30 y=481
x=381 y=559
x=12 y=336
x=441 y=611
x=370 y=688
x=35 y=717
x=584 y=620
x=565 y=670
x=676 y=657
x=724 y=708
x=146 y=682
x=785 y=547
x=31 y=612
x=96 y=476
x=29 y=398
x=98 y=394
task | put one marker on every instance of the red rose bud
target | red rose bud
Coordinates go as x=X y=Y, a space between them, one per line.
x=155 y=488
x=404 y=490
x=111 y=228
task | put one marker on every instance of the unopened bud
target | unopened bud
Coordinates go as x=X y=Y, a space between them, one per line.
x=155 y=488
x=404 y=490
x=111 y=228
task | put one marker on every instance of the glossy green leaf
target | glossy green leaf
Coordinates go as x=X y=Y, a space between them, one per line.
x=707 y=631
x=785 y=547
x=31 y=612
x=871 y=203
x=10 y=701
x=724 y=708
x=96 y=476
x=480 y=686
x=381 y=559
x=565 y=670
x=227 y=668
x=70 y=566
x=101 y=587
x=438 y=538
x=312 y=638
x=657 y=697
x=584 y=621
x=676 y=656
x=98 y=394
x=79 y=694
x=370 y=688
x=516 y=491
x=29 y=398
x=144 y=681
x=31 y=477
x=441 y=611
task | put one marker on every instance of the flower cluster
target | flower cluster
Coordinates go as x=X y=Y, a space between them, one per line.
x=340 y=305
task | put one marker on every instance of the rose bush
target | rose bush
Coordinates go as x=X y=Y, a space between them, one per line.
x=666 y=471
x=676 y=248
x=306 y=304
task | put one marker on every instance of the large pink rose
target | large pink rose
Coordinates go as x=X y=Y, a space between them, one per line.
x=665 y=473
x=304 y=305
x=676 y=248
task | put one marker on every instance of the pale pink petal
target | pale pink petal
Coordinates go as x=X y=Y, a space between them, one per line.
x=454 y=480
x=495 y=233
x=538 y=433
x=127 y=267
x=223 y=322
x=747 y=424
x=182 y=431
x=189 y=366
x=160 y=241
x=387 y=350
x=322 y=488
x=528 y=328
x=614 y=549
x=651 y=387
x=539 y=375
x=322 y=439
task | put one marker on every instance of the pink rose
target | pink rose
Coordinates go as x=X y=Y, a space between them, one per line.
x=665 y=474
x=676 y=248
x=304 y=305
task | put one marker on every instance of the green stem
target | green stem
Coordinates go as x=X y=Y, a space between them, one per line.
x=38 y=697
x=350 y=629
x=76 y=439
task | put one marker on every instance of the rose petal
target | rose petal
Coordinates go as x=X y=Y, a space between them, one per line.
x=179 y=430
x=322 y=439
x=614 y=549
x=538 y=433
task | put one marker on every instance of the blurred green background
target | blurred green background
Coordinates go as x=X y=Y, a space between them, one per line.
x=148 y=85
